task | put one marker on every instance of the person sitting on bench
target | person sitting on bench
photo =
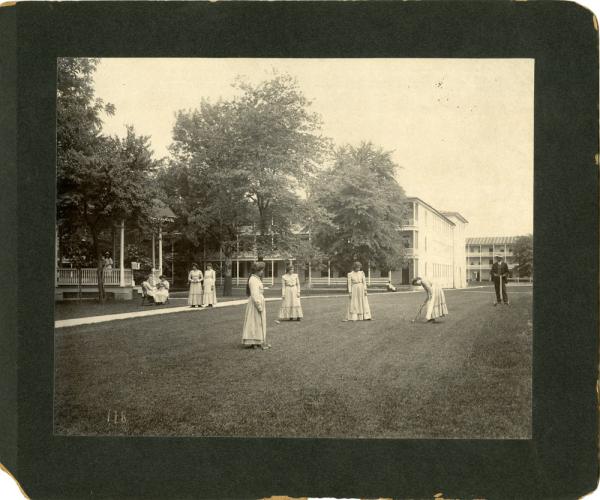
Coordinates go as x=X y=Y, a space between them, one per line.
x=149 y=288
x=161 y=295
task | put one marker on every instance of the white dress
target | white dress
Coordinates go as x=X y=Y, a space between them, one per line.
x=358 y=303
x=162 y=292
x=210 y=292
x=195 y=296
x=436 y=300
x=254 y=331
x=290 y=294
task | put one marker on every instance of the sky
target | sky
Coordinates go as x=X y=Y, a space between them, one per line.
x=460 y=129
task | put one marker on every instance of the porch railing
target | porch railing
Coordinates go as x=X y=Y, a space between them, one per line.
x=89 y=277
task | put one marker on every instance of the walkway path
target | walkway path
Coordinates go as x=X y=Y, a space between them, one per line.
x=170 y=310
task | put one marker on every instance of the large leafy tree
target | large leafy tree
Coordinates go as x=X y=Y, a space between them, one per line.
x=242 y=162
x=278 y=147
x=363 y=208
x=100 y=180
x=523 y=253
x=204 y=182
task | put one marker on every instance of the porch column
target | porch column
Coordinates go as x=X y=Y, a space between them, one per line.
x=160 y=252
x=369 y=272
x=56 y=266
x=122 y=256
x=153 y=255
x=328 y=273
x=309 y=275
x=237 y=272
x=172 y=260
x=390 y=276
x=272 y=272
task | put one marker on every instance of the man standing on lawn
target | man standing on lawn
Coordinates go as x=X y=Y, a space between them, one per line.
x=500 y=277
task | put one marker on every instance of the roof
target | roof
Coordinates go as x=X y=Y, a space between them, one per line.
x=162 y=211
x=457 y=215
x=492 y=240
x=437 y=212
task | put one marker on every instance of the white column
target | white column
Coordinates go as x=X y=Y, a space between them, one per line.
x=369 y=272
x=122 y=256
x=153 y=254
x=160 y=251
x=328 y=273
x=272 y=271
x=237 y=273
x=390 y=276
x=309 y=275
x=56 y=266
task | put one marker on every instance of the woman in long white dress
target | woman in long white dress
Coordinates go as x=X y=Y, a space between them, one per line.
x=149 y=288
x=254 y=332
x=209 y=297
x=358 y=303
x=195 y=280
x=290 y=309
x=162 y=291
x=435 y=306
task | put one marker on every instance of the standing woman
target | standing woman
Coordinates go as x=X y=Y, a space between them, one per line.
x=358 y=304
x=436 y=300
x=210 y=293
x=290 y=295
x=195 y=281
x=254 y=333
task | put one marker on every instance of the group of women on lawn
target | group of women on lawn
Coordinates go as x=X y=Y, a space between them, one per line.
x=254 y=332
x=202 y=296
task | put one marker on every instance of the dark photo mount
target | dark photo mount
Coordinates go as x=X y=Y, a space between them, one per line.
x=561 y=458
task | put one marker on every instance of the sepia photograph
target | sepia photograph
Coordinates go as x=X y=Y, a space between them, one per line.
x=294 y=248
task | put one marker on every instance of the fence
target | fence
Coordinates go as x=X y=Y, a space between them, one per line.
x=89 y=277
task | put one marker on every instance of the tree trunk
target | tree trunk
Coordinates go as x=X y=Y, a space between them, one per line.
x=227 y=282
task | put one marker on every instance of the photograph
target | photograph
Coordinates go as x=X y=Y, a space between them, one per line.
x=294 y=247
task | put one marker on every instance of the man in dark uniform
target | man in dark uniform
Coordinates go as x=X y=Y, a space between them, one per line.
x=500 y=277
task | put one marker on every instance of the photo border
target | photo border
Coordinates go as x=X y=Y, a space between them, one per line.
x=560 y=460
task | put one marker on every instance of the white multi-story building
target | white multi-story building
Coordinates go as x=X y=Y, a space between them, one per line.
x=434 y=245
x=480 y=253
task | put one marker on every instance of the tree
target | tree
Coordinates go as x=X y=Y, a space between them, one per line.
x=208 y=189
x=278 y=148
x=242 y=162
x=523 y=253
x=101 y=179
x=363 y=206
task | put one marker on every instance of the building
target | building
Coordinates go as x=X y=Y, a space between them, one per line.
x=480 y=253
x=433 y=245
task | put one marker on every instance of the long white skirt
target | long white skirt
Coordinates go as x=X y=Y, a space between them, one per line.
x=254 y=331
x=436 y=305
x=210 y=292
x=290 y=304
x=358 y=304
x=195 y=296
x=161 y=295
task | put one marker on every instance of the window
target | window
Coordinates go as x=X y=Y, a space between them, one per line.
x=491 y=249
x=491 y=261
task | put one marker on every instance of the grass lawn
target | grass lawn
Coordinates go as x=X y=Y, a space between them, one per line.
x=187 y=374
